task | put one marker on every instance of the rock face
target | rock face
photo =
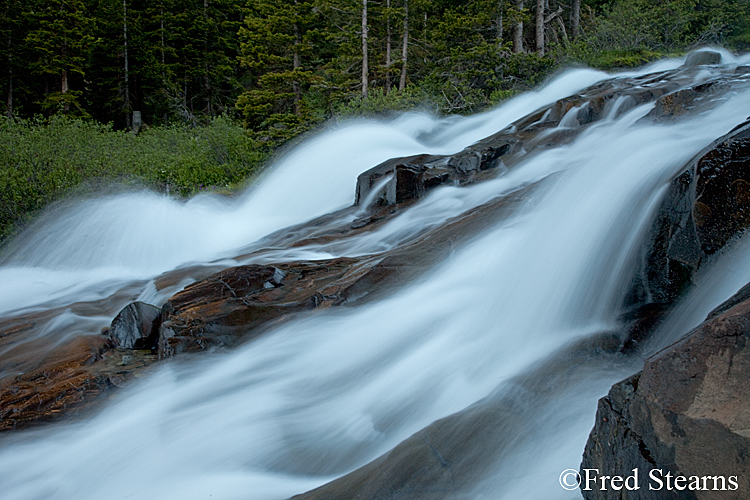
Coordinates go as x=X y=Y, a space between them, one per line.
x=686 y=413
x=706 y=206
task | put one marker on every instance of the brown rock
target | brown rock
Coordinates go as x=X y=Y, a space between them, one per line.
x=687 y=412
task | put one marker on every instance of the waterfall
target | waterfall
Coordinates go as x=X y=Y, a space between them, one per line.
x=332 y=390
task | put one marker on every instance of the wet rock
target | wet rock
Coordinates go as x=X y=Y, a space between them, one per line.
x=702 y=57
x=136 y=326
x=639 y=322
x=226 y=307
x=61 y=384
x=684 y=101
x=687 y=413
x=706 y=207
x=233 y=305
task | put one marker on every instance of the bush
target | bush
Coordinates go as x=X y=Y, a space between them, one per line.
x=44 y=160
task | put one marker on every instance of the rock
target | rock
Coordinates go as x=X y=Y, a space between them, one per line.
x=706 y=206
x=702 y=57
x=639 y=323
x=687 y=412
x=414 y=176
x=136 y=326
x=684 y=101
x=231 y=306
x=60 y=385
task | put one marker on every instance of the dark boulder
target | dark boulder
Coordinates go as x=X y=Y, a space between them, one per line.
x=706 y=206
x=136 y=326
x=686 y=413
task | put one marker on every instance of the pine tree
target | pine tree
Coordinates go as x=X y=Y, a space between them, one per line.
x=13 y=26
x=277 y=48
x=61 y=42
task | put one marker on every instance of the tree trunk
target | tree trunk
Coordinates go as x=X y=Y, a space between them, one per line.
x=9 y=100
x=540 y=27
x=575 y=19
x=518 y=31
x=126 y=96
x=296 y=64
x=206 y=79
x=404 y=47
x=499 y=22
x=163 y=59
x=365 y=68
x=388 y=47
x=64 y=77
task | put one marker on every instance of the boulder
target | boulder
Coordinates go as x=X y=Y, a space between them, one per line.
x=687 y=413
x=702 y=57
x=136 y=326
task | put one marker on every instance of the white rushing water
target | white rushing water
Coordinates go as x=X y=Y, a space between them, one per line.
x=329 y=392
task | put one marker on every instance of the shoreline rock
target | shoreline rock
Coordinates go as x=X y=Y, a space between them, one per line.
x=685 y=413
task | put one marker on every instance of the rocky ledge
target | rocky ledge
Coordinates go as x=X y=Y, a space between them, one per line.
x=685 y=415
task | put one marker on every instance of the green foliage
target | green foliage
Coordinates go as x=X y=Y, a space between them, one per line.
x=43 y=160
x=278 y=42
x=380 y=103
x=622 y=33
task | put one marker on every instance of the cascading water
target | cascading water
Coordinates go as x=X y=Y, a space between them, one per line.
x=329 y=392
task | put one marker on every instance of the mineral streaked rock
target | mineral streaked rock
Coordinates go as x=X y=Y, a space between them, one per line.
x=686 y=413
x=707 y=206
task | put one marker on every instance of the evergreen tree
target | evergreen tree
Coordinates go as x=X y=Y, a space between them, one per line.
x=61 y=41
x=13 y=26
x=277 y=46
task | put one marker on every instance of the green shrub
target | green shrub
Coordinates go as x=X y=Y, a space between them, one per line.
x=42 y=160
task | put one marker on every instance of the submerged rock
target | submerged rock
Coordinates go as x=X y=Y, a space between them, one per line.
x=702 y=57
x=446 y=459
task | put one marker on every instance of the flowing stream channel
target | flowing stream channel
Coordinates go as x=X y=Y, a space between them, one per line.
x=325 y=394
